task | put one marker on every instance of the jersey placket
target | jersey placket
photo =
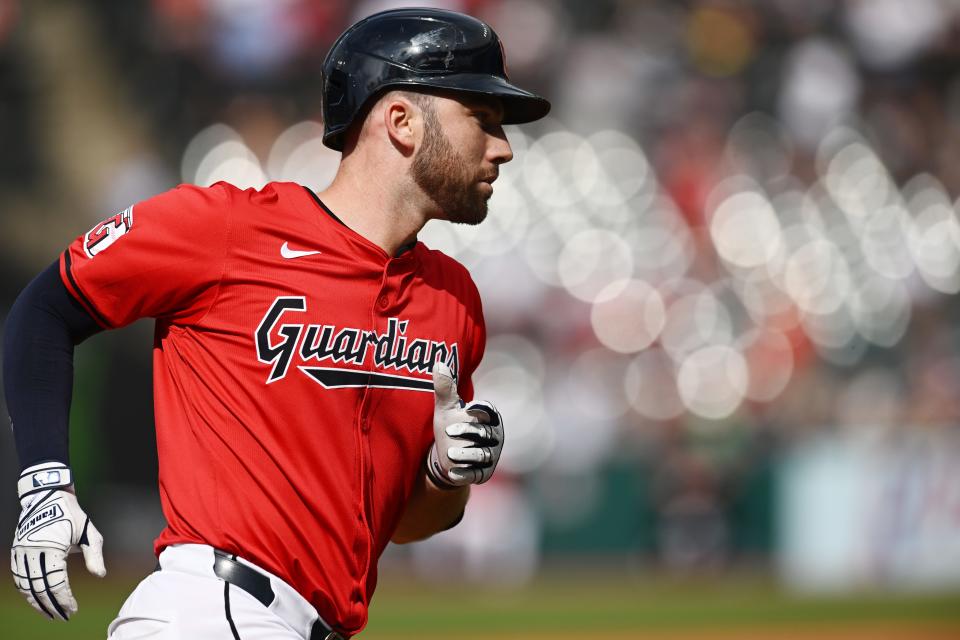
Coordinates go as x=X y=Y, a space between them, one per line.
x=378 y=311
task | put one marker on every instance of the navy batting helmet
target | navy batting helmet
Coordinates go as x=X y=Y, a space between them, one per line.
x=417 y=48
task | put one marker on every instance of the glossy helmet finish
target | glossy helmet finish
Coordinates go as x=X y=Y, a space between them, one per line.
x=417 y=48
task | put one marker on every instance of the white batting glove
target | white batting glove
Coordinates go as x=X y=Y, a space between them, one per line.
x=51 y=525
x=467 y=439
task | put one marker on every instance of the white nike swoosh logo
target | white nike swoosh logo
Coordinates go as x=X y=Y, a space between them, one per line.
x=287 y=252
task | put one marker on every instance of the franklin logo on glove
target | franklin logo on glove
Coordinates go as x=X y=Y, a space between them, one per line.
x=45 y=517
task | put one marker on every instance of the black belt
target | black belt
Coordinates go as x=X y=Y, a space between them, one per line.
x=258 y=585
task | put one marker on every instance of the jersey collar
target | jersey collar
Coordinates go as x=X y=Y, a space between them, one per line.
x=403 y=252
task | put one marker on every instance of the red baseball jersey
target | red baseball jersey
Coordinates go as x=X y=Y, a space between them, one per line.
x=292 y=374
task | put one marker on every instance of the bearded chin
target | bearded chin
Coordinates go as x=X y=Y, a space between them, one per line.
x=468 y=208
x=442 y=175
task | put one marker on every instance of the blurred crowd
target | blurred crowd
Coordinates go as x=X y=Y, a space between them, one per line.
x=738 y=227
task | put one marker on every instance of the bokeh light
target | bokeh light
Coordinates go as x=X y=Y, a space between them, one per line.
x=627 y=317
x=745 y=230
x=713 y=381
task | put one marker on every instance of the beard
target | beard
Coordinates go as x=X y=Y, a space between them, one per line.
x=442 y=174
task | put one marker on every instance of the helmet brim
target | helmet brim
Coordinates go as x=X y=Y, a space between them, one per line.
x=519 y=106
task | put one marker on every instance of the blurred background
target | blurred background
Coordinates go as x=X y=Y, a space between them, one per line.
x=719 y=280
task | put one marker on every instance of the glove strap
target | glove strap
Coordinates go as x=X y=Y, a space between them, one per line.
x=42 y=477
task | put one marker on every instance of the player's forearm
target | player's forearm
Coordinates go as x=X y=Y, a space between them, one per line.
x=40 y=332
x=430 y=510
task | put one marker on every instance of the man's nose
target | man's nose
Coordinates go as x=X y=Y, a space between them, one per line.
x=500 y=150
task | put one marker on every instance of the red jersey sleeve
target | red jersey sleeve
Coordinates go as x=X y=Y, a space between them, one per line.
x=162 y=257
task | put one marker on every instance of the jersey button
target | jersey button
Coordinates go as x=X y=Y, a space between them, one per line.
x=383 y=302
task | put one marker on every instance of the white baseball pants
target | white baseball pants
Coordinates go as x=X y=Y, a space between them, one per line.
x=186 y=600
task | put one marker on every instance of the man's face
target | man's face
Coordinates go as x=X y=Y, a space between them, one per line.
x=463 y=146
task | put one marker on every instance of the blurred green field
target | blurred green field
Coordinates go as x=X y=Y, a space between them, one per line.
x=577 y=605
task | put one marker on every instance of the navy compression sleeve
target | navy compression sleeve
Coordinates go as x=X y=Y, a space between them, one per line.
x=41 y=330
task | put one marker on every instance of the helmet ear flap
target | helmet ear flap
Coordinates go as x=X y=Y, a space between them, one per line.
x=336 y=89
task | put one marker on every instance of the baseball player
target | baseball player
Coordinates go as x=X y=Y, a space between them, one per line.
x=312 y=359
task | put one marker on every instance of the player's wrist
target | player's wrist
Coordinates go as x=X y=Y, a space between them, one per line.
x=432 y=484
x=44 y=476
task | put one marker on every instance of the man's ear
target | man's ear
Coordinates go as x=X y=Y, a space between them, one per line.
x=403 y=123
